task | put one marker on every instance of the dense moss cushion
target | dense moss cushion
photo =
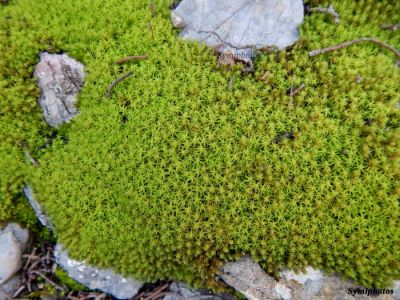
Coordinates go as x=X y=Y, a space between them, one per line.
x=181 y=170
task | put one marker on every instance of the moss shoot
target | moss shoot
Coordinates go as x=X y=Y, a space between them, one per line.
x=184 y=168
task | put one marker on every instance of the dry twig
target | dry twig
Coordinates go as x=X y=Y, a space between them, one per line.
x=330 y=11
x=391 y=27
x=355 y=41
x=55 y=285
x=109 y=89
x=293 y=91
x=265 y=76
x=230 y=83
x=157 y=292
x=129 y=58
x=19 y=291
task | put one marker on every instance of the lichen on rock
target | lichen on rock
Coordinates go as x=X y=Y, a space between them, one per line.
x=60 y=78
x=240 y=27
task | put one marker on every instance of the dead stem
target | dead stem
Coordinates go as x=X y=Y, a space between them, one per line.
x=129 y=58
x=55 y=285
x=355 y=41
x=230 y=83
x=293 y=91
x=265 y=76
x=330 y=11
x=157 y=292
x=19 y=291
x=109 y=89
x=391 y=27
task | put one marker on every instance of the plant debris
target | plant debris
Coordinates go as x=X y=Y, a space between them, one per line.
x=391 y=27
x=154 y=291
x=293 y=91
x=39 y=279
x=355 y=41
x=115 y=82
x=40 y=265
x=129 y=58
x=330 y=11
x=286 y=135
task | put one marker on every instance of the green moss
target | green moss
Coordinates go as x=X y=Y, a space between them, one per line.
x=68 y=281
x=176 y=173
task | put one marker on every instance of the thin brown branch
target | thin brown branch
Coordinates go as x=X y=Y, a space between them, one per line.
x=355 y=41
x=31 y=159
x=293 y=91
x=55 y=285
x=115 y=82
x=265 y=76
x=19 y=291
x=129 y=58
x=232 y=78
x=71 y=297
x=391 y=27
x=31 y=256
x=330 y=11
x=157 y=292
x=34 y=265
x=28 y=261
x=159 y=296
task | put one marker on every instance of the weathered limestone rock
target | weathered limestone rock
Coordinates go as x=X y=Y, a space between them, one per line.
x=13 y=240
x=179 y=291
x=8 y=288
x=105 y=280
x=60 y=78
x=240 y=27
x=43 y=219
x=248 y=278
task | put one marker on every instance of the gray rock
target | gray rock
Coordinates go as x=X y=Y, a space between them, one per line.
x=248 y=278
x=105 y=280
x=60 y=78
x=314 y=285
x=311 y=281
x=396 y=290
x=180 y=291
x=240 y=27
x=13 y=240
x=8 y=288
x=44 y=220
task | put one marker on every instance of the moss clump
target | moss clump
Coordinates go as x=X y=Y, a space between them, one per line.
x=177 y=173
x=64 y=278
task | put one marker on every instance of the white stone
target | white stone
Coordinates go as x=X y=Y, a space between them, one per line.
x=247 y=277
x=396 y=290
x=60 y=78
x=13 y=240
x=43 y=219
x=240 y=27
x=310 y=274
x=8 y=288
x=105 y=280
x=283 y=292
